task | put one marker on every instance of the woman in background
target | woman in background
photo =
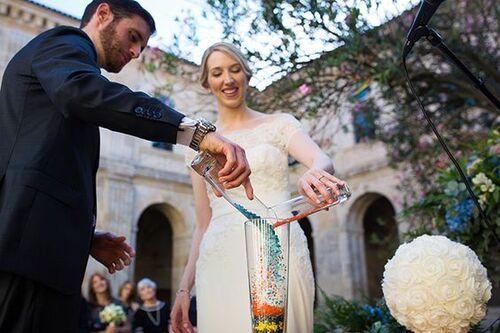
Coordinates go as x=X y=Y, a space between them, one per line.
x=152 y=315
x=99 y=297
x=126 y=295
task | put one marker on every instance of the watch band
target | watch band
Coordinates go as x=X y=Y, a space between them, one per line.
x=202 y=128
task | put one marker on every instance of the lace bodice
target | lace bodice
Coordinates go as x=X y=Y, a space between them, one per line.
x=266 y=147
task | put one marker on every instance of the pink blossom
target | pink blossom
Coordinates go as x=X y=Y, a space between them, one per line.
x=305 y=90
x=469 y=23
x=441 y=163
x=495 y=149
x=424 y=142
x=156 y=52
x=396 y=200
x=408 y=19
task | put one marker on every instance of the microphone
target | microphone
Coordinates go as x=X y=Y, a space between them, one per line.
x=424 y=14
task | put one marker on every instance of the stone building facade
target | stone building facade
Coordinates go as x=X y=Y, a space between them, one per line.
x=144 y=192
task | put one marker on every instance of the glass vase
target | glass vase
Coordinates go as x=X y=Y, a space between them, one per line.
x=267 y=252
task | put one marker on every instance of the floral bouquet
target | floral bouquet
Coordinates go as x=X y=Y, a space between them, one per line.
x=112 y=313
x=433 y=284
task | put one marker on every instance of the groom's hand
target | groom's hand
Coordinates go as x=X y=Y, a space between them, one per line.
x=235 y=169
x=112 y=251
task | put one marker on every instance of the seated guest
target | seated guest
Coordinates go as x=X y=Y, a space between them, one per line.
x=152 y=316
x=99 y=298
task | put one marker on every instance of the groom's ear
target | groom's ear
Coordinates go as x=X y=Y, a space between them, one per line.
x=103 y=14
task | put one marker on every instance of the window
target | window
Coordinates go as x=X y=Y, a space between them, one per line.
x=364 y=124
x=364 y=115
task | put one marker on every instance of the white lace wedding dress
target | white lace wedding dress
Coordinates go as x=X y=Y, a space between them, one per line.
x=221 y=272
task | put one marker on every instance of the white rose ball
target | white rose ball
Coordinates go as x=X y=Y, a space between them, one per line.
x=433 y=284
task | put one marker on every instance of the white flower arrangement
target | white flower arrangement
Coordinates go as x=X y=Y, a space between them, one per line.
x=112 y=313
x=433 y=284
x=486 y=185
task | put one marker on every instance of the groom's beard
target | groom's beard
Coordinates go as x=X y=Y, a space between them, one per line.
x=111 y=48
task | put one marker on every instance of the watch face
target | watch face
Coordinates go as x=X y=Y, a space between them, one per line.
x=209 y=126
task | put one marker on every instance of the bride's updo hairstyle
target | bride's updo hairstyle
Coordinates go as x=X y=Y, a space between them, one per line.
x=231 y=51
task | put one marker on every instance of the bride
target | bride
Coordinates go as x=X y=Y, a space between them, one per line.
x=217 y=260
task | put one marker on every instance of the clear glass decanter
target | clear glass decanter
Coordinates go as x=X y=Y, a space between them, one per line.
x=207 y=166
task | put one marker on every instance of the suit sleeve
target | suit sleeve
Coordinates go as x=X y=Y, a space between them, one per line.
x=65 y=67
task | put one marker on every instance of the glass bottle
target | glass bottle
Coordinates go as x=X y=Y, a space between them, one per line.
x=299 y=207
x=207 y=166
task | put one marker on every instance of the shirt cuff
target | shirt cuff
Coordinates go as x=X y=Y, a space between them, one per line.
x=186 y=131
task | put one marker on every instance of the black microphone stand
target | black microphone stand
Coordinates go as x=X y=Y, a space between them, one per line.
x=436 y=40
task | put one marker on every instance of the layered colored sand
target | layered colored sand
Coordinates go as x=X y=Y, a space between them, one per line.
x=267 y=318
x=268 y=324
x=266 y=310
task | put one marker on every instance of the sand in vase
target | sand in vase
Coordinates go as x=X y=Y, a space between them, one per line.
x=267 y=259
x=267 y=318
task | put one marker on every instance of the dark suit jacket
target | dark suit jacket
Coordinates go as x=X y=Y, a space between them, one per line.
x=52 y=101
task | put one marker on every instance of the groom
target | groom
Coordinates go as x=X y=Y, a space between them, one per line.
x=52 y=101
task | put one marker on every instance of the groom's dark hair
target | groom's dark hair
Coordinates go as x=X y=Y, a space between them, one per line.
x=120 y=9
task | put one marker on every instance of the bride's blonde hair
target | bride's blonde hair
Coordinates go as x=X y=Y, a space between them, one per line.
x=231 y=51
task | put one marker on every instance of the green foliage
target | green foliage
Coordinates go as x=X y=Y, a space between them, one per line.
x=446 y=208
x=337 y=313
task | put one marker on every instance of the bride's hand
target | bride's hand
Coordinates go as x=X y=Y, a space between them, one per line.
x=179 y=316
x=319 y=180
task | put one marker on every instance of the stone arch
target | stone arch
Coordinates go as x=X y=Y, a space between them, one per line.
x=371 y=215
x=156 y=238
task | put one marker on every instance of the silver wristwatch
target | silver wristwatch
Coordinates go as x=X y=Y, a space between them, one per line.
x=202 y=128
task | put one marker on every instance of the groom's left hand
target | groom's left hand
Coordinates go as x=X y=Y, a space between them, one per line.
x=111 y=250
